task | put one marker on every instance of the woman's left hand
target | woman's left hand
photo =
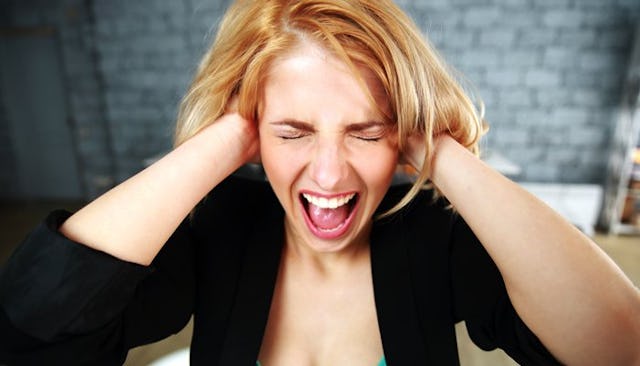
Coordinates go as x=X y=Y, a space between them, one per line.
x=414 y=152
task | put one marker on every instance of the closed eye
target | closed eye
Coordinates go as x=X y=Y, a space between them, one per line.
x=369 y=131
x=368 y=138
x=292 y=129
x=292 y=136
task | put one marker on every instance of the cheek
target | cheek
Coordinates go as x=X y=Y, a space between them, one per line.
x=270 y=157
x=280 y=165
x=378 y=167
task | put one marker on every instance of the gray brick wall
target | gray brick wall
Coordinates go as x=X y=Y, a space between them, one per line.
x=7 y=157
x=147 y=53
x=550 y=73
x=146 y=60
x=86 y=102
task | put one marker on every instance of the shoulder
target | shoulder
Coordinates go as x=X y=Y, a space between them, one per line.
x=425 y=212
x=423 y=229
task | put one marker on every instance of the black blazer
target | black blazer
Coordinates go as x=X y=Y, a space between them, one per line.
x=64 y=303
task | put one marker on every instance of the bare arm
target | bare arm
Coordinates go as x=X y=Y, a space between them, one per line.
x=573 y=296
x=133 y=220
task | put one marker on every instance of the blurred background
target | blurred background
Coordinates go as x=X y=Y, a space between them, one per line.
x=89 y=91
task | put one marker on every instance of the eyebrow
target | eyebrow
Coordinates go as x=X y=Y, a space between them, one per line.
x=363 y=126
x=293 y=123
x=305 y=126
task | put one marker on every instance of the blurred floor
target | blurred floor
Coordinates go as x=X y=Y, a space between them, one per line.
x=17 y=218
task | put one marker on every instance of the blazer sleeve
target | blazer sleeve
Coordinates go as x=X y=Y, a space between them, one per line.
x=64 y=303
x=481 y=300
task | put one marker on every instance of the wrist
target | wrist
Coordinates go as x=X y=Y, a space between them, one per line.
x=231 y=137
x=444 y=150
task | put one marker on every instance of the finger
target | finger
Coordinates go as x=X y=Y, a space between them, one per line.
x=232 y=105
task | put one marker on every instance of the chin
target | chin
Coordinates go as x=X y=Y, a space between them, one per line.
x=357 y=233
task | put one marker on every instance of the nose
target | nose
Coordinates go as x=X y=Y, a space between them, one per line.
x=329 y=166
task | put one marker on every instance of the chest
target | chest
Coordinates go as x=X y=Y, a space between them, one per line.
x=316 y=322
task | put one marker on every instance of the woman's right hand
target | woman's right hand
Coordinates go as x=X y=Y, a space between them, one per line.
x=238 y=135
x=243 y=132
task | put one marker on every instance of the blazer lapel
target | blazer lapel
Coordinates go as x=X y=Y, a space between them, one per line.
x=398 y=318
x=255 y=290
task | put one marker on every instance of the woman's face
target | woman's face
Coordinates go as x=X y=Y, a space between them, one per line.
x=327 y=150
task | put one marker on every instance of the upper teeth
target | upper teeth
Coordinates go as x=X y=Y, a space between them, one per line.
x=323 y=202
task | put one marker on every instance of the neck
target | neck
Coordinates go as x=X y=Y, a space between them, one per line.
x=326 y=264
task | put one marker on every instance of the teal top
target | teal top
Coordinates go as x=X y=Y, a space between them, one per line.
x=382 y=362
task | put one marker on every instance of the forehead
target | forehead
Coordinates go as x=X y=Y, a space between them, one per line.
x=309 y=72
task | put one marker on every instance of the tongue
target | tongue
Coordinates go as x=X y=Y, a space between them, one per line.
x=328 y=218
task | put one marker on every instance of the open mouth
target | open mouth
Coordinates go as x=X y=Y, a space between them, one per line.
x=329 y=217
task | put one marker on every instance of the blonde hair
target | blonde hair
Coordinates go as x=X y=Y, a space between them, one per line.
x=423 y=95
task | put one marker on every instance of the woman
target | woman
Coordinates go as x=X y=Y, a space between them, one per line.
x=327 y=263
